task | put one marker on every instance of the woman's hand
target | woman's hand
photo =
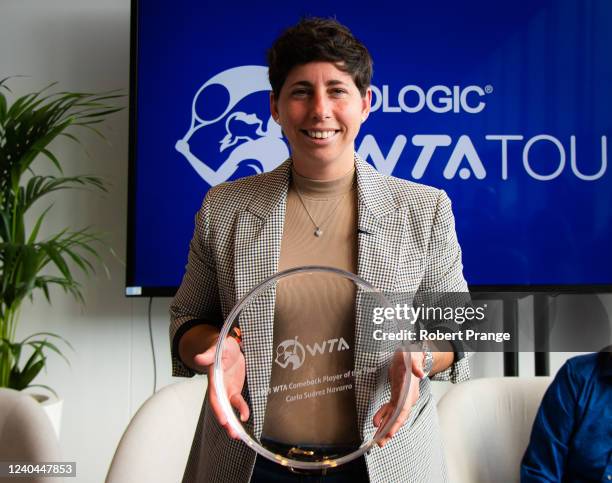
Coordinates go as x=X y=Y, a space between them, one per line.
x=397 y=376
x=234 y=373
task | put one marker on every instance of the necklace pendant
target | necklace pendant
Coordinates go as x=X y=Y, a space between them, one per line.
x=318 y=232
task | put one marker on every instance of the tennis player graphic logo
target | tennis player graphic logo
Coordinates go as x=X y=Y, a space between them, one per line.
x=227 y=120
x=290 y=351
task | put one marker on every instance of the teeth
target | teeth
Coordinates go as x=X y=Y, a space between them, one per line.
x=321 y=134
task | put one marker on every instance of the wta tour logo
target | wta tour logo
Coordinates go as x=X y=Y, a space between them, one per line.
x=245 y=140
x=239 y=134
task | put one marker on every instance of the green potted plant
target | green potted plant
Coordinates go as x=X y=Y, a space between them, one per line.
x=31 y=263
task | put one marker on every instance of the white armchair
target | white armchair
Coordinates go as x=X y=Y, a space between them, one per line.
x=26 y=433
x=155 y=446
x=485 y=426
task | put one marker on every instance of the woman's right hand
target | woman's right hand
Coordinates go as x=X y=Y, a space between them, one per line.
x=234 y=373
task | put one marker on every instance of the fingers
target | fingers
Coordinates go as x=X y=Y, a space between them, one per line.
x=381 y=418
x=205 y=359
x=231 y=352
x=241 y=406
x=233 y=378
x=214 y=402
x=417 y=364
x=381 y=415
x=399 y=422
x=386 y=411
x=236 y=400
x=215 y=405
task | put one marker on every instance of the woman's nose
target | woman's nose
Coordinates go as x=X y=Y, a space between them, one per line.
x=321 y=108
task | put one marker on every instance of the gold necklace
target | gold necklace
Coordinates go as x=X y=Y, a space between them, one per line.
x=318 y=231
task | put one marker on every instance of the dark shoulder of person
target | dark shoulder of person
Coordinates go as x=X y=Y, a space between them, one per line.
x=580 y=369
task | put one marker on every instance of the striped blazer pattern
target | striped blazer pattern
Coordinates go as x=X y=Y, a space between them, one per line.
x=406 y=243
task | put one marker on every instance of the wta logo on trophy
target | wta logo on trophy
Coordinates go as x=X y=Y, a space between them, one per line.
x=292 y=352
x=230 y=118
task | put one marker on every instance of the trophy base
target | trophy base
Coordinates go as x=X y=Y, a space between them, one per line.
x=326 y=455
x=318 y=454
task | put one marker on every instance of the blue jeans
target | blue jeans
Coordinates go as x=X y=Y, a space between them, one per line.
x=267 y=471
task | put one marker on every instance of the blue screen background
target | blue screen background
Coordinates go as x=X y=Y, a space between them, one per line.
x=547 y=63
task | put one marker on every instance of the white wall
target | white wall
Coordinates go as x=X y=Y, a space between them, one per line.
x=85 y=46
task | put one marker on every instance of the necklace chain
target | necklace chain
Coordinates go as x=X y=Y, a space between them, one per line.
x=318 y=231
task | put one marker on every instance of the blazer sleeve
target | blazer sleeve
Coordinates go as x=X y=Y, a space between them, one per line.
x=197 y=299
x=444 y=275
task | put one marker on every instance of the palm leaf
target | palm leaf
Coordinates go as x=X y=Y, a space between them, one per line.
x=48 y=345
x=22 y=380
x=39 y=221
x=47 y=334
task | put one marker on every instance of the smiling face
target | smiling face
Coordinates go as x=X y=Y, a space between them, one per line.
x=320 y=110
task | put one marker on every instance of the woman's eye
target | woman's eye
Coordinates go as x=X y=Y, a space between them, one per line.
x=338 y=92
x=299 y=93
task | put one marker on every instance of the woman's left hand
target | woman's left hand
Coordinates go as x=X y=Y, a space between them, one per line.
x=397 y=375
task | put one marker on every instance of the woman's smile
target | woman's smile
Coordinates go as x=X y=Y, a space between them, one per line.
x=320 y=134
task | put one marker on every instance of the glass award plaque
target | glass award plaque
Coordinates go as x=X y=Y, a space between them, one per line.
x=308 y=386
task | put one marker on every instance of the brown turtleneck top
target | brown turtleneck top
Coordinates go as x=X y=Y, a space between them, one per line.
x=314 y=318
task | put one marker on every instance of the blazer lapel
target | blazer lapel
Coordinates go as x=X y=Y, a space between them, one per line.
x=380 y=233
x=259 y=233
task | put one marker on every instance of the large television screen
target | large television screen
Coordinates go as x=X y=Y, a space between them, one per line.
x=505 y=106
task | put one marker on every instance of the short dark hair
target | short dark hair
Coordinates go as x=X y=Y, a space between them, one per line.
x=319 y=39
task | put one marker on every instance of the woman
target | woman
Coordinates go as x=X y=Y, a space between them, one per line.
x=324 y=206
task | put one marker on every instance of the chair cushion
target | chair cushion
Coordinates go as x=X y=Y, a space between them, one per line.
x=486 y=424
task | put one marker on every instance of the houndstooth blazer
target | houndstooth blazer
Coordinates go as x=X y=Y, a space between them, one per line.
x=406 y=243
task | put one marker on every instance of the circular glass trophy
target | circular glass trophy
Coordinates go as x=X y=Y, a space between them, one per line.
x=314 y=370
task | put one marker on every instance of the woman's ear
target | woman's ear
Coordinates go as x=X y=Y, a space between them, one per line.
x=273 y=107
x=366 y=104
